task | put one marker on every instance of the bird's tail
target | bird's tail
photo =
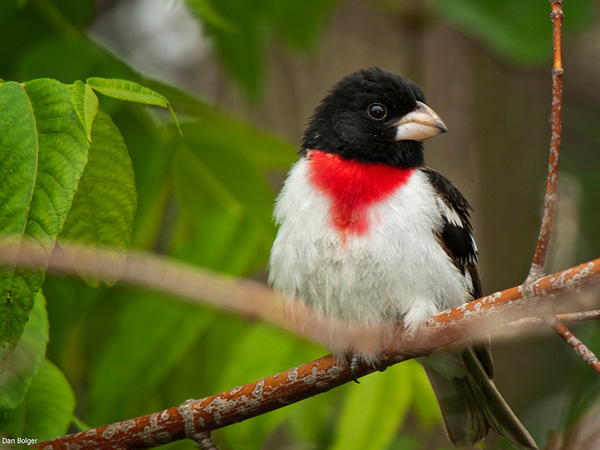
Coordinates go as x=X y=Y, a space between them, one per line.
x=469 y=400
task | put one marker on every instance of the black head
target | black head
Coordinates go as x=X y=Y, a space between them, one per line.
x=373 y=116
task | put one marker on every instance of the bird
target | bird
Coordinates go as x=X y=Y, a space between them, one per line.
x=369 y=234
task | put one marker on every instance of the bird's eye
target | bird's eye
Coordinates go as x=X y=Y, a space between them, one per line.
x=377 y=111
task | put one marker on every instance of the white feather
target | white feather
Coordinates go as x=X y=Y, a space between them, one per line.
x=451 y=215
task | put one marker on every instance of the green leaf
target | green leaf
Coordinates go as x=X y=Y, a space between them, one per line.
x=185 y=102
x=48 y=406
x=152 y=156
x=24 y=362
x=151 y=337
x=127 y=90
x=43 y=151
x=104 y=206
x=375 y=409
x=131 y=92
x=86 y=105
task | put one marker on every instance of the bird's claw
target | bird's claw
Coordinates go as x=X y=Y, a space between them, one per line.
x=354 y=368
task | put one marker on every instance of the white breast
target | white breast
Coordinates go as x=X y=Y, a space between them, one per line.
x=396 y=270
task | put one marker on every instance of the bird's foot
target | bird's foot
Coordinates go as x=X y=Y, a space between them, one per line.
x=355 y=362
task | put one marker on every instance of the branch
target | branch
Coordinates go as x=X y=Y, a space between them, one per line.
x=564 y=318
x=240 y=403
x=539 y=258
x=248 y=298
x=577 y=345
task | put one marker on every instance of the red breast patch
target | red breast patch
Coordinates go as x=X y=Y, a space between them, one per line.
x=353 y=187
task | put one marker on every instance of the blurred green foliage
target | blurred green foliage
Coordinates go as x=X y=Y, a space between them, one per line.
x=254 y=24
x=119 y=174
x=519 y=30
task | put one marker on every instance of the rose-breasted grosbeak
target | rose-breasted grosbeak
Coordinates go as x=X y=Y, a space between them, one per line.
x=368 y=233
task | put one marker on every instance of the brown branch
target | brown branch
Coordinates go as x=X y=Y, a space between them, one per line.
x=579 y=347
x=582 y=316
x=558 y=324
x=245 y=297
x=539 y=258
x=579 y=316
x=270 y=393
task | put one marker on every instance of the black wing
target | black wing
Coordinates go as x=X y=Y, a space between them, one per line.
x=457 y=235
x=457 y=239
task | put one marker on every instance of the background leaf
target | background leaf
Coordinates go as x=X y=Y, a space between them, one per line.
x=519 y=30
x=219 y=181
x=47 y=409
x=24 y=362
x=256 y=23
x=150 y=338
x=242 y=369
x=375 y=409
x=204 y=9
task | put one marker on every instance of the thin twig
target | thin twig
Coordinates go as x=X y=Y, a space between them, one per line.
x=579 y=316
x=539 y=259
x=582 y=316
x=319 y=376
x=581 y=349
x=558 y=324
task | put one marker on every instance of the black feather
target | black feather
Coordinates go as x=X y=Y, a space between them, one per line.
x=340 y=124
x=457 y=241
x=456 y=236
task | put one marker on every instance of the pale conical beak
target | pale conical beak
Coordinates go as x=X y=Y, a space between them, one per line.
x=420 y=124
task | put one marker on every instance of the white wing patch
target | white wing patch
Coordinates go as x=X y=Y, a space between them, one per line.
x=450 y=214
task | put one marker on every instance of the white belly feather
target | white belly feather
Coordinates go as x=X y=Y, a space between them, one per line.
x=393 y=271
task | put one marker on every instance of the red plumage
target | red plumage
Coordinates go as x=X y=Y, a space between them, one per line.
x=353 y=187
